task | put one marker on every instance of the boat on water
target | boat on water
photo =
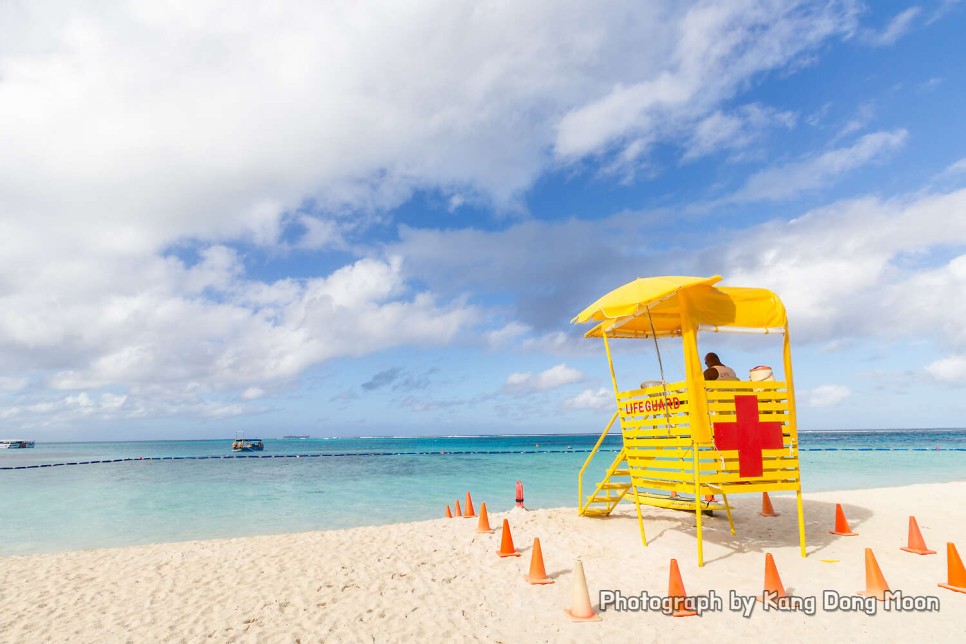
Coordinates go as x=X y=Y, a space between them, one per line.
x=15 y=444
x=247 y=445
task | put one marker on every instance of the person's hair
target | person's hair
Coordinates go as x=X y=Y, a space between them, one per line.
x=710 y=373
x=713 y=358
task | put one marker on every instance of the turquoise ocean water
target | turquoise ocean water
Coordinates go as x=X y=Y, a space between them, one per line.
x=191 y=492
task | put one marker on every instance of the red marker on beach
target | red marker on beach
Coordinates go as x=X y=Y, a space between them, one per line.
x=519 y=494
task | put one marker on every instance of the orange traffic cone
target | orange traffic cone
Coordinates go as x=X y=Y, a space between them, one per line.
x=580 y=609
x=841 y=525
x=458 y=512
x=469 y=513
x=957 y=573
x=506 y=542
x=766 y=509
x=677 y=594
x=917 y=544
x=774 y=589
x=484 y=523
x=875 y=583
x=449 y=513
x=538 y=574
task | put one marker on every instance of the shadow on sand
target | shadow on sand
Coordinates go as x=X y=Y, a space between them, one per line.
x=755 y=533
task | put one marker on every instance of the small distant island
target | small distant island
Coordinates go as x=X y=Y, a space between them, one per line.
x=299 y=436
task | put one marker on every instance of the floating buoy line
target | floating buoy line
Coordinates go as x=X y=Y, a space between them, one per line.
x=434 y=453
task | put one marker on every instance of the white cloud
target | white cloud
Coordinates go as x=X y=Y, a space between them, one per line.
x=252 y=393
x=856 y=268
x=168 y=334
x=591 y=399
x=163 y=122
x=863 y=267
x=784 y=182
x=955 y=169
x=320 y=234
x=106 y=405
x=12 y=384
x=455 y=202
x=149 y=127
x=506 y=334
x=560 y=343
x=218 y=269
x=828 y=395
x=112 y=401
x=49 y=410
x=736 y=130
x=892 y=32
x=710 y=50
x=945 y=6
x=552 y=378
x=551 y=280
x=950 y=369
x=863 y=116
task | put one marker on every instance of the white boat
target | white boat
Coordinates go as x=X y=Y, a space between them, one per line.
x=241 y=444
x=15 y=444
x=246 y=445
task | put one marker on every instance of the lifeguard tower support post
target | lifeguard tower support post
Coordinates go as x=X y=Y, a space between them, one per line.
x=683 y=441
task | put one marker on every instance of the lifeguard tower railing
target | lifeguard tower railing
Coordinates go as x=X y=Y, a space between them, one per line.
x=684 y=443
x=658 y=448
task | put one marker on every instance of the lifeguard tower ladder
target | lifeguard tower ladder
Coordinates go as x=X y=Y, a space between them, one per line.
x=685 y=442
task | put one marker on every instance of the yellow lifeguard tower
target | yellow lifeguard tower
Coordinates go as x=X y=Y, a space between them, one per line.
x=684 y=442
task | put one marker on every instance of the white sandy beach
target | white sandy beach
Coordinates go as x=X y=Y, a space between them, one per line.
x=441 y=581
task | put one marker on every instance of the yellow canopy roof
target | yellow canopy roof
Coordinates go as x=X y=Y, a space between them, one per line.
x=622 y=313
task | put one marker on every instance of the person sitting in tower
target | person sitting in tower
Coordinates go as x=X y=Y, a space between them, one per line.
x=717 y=371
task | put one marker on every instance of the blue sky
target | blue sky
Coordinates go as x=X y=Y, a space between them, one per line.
x=370 y=219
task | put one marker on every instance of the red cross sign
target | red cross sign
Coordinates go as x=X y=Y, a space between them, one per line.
x=748 y=435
